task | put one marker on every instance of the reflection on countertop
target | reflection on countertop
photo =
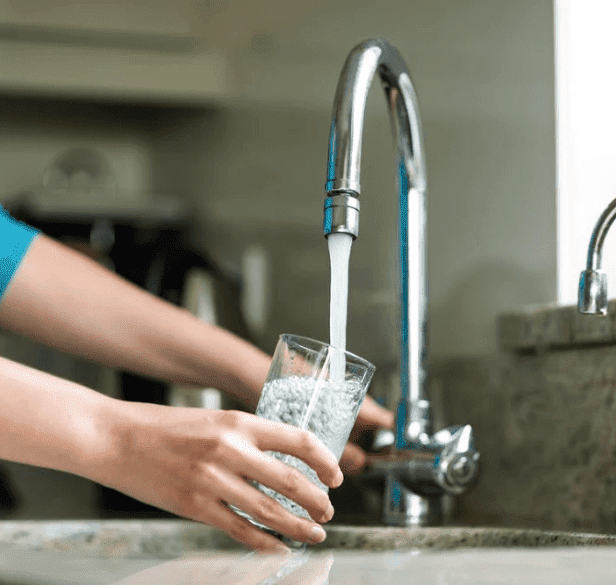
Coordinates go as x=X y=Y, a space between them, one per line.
x=295 y=568
x=580 y=566
x=487 y=567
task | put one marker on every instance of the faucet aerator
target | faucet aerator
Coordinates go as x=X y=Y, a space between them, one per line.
x=592 y=295
x=341 y=214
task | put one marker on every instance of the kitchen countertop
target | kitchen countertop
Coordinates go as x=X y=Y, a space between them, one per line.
x=579 y=566
x=176 y=551
x=555 y=327
x=170 y=539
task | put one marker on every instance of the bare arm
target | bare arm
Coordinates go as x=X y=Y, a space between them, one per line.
x=66 y=300
x=50 y=422
x=189 y=461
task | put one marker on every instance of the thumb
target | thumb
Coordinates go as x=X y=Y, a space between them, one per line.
x=353 y=459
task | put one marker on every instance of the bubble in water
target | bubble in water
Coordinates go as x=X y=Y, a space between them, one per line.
x=326 y=408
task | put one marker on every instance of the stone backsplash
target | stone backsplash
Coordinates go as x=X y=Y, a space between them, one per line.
x=544 y=415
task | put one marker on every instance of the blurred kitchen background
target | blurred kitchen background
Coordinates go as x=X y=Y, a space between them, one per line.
x=183 y=143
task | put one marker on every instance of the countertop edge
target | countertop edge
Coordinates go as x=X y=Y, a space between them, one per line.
x=553 y=327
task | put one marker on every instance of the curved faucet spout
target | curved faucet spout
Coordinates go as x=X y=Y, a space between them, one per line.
x=363 y=62
x=422 y=466
x=342 y=207
x=592 y=292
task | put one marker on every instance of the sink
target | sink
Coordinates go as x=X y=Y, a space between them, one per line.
x=170 y=539
x=136 y=552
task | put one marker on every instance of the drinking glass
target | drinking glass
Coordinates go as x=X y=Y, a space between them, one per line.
x=316 y=387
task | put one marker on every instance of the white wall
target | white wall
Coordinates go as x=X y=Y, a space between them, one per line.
x=586 y=94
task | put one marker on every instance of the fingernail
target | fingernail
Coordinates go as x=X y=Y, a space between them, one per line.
x=329 y=514
x=317 y=535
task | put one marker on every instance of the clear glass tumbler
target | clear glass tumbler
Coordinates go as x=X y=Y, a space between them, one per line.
x=316 y=387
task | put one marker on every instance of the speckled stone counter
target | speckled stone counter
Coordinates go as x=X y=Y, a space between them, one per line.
x=447 y=538
x=169 y=539
x=582 y=565
x=544 y=415
x=555 y=327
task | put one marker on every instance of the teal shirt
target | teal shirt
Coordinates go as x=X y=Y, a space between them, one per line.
x=15 y=239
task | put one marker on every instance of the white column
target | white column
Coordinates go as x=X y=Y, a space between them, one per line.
x=586 y=134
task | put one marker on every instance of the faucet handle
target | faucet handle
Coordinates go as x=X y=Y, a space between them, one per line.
x=457 y=465
x=449 y=463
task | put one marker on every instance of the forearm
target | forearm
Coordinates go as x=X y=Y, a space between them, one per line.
x=66 y=300
x=50 y=422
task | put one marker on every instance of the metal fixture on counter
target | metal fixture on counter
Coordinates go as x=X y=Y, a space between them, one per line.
x=592 y=292
x=420 y=468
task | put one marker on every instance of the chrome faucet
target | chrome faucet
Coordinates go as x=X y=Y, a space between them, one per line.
x=419 y=468
x=592 y=292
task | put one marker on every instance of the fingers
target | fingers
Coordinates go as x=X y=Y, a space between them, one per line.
x=353 y=459
x=264 y=509
x=246 y=460
x=275 y=436
x=239 y=529
x=371 y=416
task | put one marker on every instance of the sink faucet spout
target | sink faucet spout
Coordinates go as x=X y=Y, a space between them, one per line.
x=431 y=464
x=342 y=205
x=592 y=292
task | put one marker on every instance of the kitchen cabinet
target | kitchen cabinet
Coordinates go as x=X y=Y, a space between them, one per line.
x=111 y=17
x=108 y=50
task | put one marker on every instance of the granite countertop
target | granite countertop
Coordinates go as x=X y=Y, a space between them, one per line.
x=563 y=566
x=136 y=552
x=169 y=539
x=555 y=326
x=449 y=538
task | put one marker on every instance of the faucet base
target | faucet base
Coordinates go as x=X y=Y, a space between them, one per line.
x=405 y=508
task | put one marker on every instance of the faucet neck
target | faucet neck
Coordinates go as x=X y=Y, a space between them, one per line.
x=343 y=162
x=592 y=289
x=342 y=206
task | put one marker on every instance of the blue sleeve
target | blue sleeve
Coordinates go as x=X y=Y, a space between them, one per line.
x=15 y=239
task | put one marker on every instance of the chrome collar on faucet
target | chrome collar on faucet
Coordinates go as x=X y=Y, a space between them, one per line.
x=413 y=420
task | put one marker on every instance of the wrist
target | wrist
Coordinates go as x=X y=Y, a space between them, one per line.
x=100 y=458
x=227 y=362
x=248 y=374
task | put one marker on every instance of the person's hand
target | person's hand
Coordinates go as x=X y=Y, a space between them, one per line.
x=193 y=462
x=371 y=416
